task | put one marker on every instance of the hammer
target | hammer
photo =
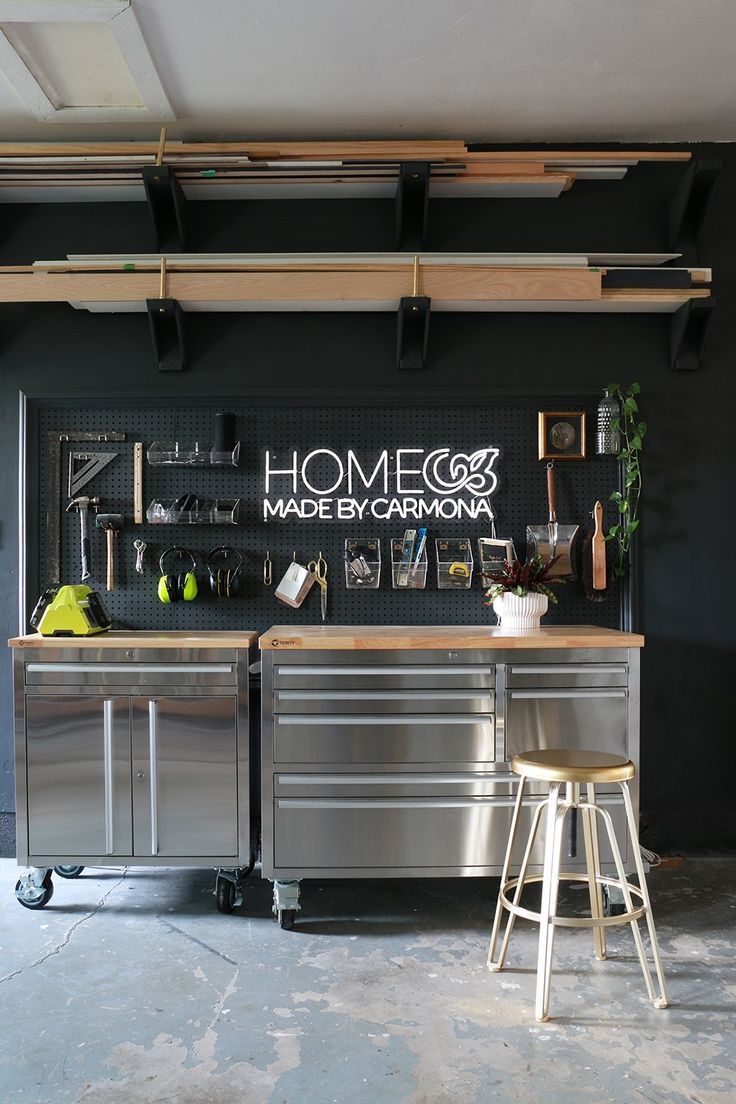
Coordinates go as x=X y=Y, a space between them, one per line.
x=111 y=523
x=83 y=504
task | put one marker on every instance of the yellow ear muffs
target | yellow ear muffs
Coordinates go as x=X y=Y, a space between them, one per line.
x=188 y=586
x=172 y=588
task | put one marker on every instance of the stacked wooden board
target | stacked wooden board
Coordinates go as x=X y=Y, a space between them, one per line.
x=377 y=282
x=93 y=171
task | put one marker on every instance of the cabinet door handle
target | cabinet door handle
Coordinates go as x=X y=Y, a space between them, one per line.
x=107 y=735
x=153 y=771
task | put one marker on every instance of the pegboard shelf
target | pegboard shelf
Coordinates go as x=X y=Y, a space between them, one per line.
x=174 y=454
x=217 y=512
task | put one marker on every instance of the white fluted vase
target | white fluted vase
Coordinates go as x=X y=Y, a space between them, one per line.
x=520 y=613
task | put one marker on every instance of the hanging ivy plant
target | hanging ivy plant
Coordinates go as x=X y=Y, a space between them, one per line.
x=632 y=432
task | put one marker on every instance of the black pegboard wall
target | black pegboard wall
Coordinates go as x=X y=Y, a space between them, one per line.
x=520 y=499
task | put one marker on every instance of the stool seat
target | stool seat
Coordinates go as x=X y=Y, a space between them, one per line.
x=572 y=765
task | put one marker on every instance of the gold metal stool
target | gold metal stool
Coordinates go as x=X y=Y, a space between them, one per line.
x=574 y=768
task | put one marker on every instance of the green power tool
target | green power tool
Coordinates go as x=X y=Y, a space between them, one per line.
x=70 y=611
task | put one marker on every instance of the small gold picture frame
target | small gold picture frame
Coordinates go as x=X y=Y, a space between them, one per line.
x=561 y=434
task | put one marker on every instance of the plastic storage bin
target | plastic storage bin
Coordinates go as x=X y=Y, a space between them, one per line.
x=416 y=576
x=362 y=563
x=454 y=563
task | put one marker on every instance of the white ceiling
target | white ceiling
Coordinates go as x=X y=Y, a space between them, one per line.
x=494 y=70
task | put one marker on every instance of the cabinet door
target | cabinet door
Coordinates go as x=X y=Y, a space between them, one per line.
x=78 y=756
x=185 y=786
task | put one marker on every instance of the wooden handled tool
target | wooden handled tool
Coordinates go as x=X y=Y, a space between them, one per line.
x=111 y=523
x=599 y=550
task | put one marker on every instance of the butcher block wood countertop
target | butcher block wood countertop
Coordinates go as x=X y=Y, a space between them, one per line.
x=382 y=637
x=119 y=638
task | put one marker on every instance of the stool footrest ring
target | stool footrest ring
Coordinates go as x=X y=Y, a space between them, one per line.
x=574 y=921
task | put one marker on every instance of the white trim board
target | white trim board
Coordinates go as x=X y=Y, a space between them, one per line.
x=120 y=17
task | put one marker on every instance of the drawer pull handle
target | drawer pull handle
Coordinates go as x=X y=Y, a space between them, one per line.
x=381 y=695
x=533 y=694
x=570 y=669
x=133 y=668
x=369 y=670
x=414 y=720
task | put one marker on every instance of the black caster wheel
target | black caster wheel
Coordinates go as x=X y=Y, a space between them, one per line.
x=610 y=907
x=38 y=898
x=225 y=896
x=68 y=871
x=286 y=919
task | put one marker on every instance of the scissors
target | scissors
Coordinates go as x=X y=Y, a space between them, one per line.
x=318 y=568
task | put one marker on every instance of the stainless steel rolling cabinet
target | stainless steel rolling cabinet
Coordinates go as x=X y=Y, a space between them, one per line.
x=130 y=752
x=381 y=763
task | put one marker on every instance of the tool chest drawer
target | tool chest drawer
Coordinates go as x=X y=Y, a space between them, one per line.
x=440 y=700
x=395 y=783
x=389 y=676
x=567 y=674
x=398 y=833
x=354 y=739
x=111 y=671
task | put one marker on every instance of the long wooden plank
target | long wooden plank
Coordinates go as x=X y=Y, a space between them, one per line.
x=467 y=285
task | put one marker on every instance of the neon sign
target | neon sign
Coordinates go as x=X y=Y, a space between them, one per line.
x=404 y=483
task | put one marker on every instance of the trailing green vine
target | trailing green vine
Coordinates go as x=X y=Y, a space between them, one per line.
x=627 y=502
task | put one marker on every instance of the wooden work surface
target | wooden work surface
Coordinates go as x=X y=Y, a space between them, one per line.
x=136 y=639
x=382 y=637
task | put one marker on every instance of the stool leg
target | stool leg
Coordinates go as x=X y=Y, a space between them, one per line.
x=505 y=873
x=593 y=867
x=661 y=1000
x=552 y=846
x=498 y=964
x=627 y=899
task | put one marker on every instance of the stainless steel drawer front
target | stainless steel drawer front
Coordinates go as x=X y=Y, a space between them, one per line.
x=383 y=701
x=356 y=739
x=384 y=676
x=398 y=784
x=575 y=718
x=567 y=674
x=130 y=674
x=362 y=834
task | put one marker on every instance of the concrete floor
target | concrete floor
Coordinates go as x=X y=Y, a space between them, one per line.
x=130 y=988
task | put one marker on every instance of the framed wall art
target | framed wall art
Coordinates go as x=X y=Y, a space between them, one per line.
x=561 y=435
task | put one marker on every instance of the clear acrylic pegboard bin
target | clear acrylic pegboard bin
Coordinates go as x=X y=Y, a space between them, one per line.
x=362 y=563
x=218 y=511
x=491 y=558
x=454 y=563
x=415 y=578
x=187 y=454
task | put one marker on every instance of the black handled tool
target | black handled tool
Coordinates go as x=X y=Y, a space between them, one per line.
x=83 y=503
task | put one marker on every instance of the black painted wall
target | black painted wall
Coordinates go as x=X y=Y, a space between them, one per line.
x=688 y=610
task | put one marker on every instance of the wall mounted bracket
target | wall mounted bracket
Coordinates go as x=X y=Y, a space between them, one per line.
x=167 y=205
x=689 y=204
x=688 y=330
x=166 y=201
x=412 y=201
x=413 y=328
x=166 y=323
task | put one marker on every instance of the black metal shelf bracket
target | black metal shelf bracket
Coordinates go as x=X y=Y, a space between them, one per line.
x=688 y=330
x=167 y=205
x=166 y=323
x=689 y=204
x=412 y=331
x=412 y=201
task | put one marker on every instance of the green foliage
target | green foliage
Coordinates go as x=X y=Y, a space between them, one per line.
x=517 y=578
x=632 y=431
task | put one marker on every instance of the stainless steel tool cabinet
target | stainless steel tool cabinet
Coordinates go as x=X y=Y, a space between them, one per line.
x=380 y=763
x=129 y=753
